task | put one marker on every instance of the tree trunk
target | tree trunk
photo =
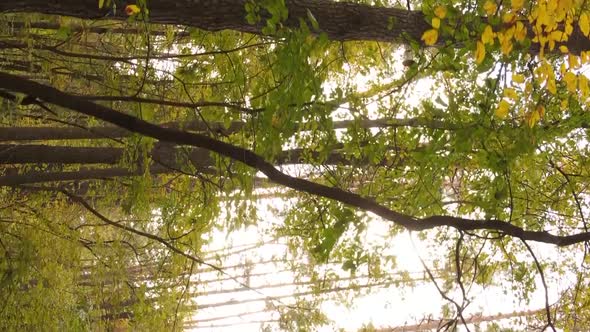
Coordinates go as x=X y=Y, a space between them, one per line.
x=340 y=21
x=32 y=154
x=166 y=158
x=165 y=154
x=66 y=133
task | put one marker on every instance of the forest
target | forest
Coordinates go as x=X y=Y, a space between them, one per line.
x=279 y=165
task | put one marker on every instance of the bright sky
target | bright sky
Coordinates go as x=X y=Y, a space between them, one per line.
x=386 y=306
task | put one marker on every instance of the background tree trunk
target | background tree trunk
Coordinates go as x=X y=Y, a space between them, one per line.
x=340 y=21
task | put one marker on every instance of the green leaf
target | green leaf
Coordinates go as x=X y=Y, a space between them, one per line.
x=63 y=33
x=314 y=23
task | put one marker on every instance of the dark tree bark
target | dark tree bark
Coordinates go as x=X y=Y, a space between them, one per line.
x=33 y=154
x=166 y=158
x=8 y=134
x=340 y=21
x=81 y=175
x=165 y=154
x=67 y=133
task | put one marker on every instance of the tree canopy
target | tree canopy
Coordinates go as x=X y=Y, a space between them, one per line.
x=134 y=134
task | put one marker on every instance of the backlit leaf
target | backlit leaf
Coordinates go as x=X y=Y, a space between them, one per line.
x=584 y=24
x=503 y=108
x=480 y=52
x=430 y=37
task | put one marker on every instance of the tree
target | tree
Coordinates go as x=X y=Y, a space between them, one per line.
x=147 y=133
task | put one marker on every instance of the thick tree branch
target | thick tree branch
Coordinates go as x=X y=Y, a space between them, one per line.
x=54 y=96
x=340 y=21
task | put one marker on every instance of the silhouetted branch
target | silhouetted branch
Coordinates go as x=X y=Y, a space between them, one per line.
x=131 y=123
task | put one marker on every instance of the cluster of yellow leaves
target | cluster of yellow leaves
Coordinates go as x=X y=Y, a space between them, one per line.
x=503 y=108
x=550 y=24
x=535 y=115
x=578 y=85
x=512 y=96
x=512 y=29
x=431 y=36
x=520 y=91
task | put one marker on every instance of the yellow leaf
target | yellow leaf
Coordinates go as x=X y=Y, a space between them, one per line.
x=440 y=12
x=583 y=85
x=541 y=110
x=558 y=36
x=564 y=104
x=569 y=28
x=562 y=68
x=543 y=19
x=503 y=108
x=573 y=61
x=544 y=70
x=533 y=117
x=132 y=10
x=487 y=37
x=517 y=4
x=518 y=78
x=571 y=81
x=480 y=52
x=430 y=37
x=584 y=24
x=565 y=5
x=436 y=22
x=520 y=31
x=508 y=17
x=509 y=33
x=564 y=49
x=490 y=7
x=506 y=46
x=551 y=86
x=510 y=93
